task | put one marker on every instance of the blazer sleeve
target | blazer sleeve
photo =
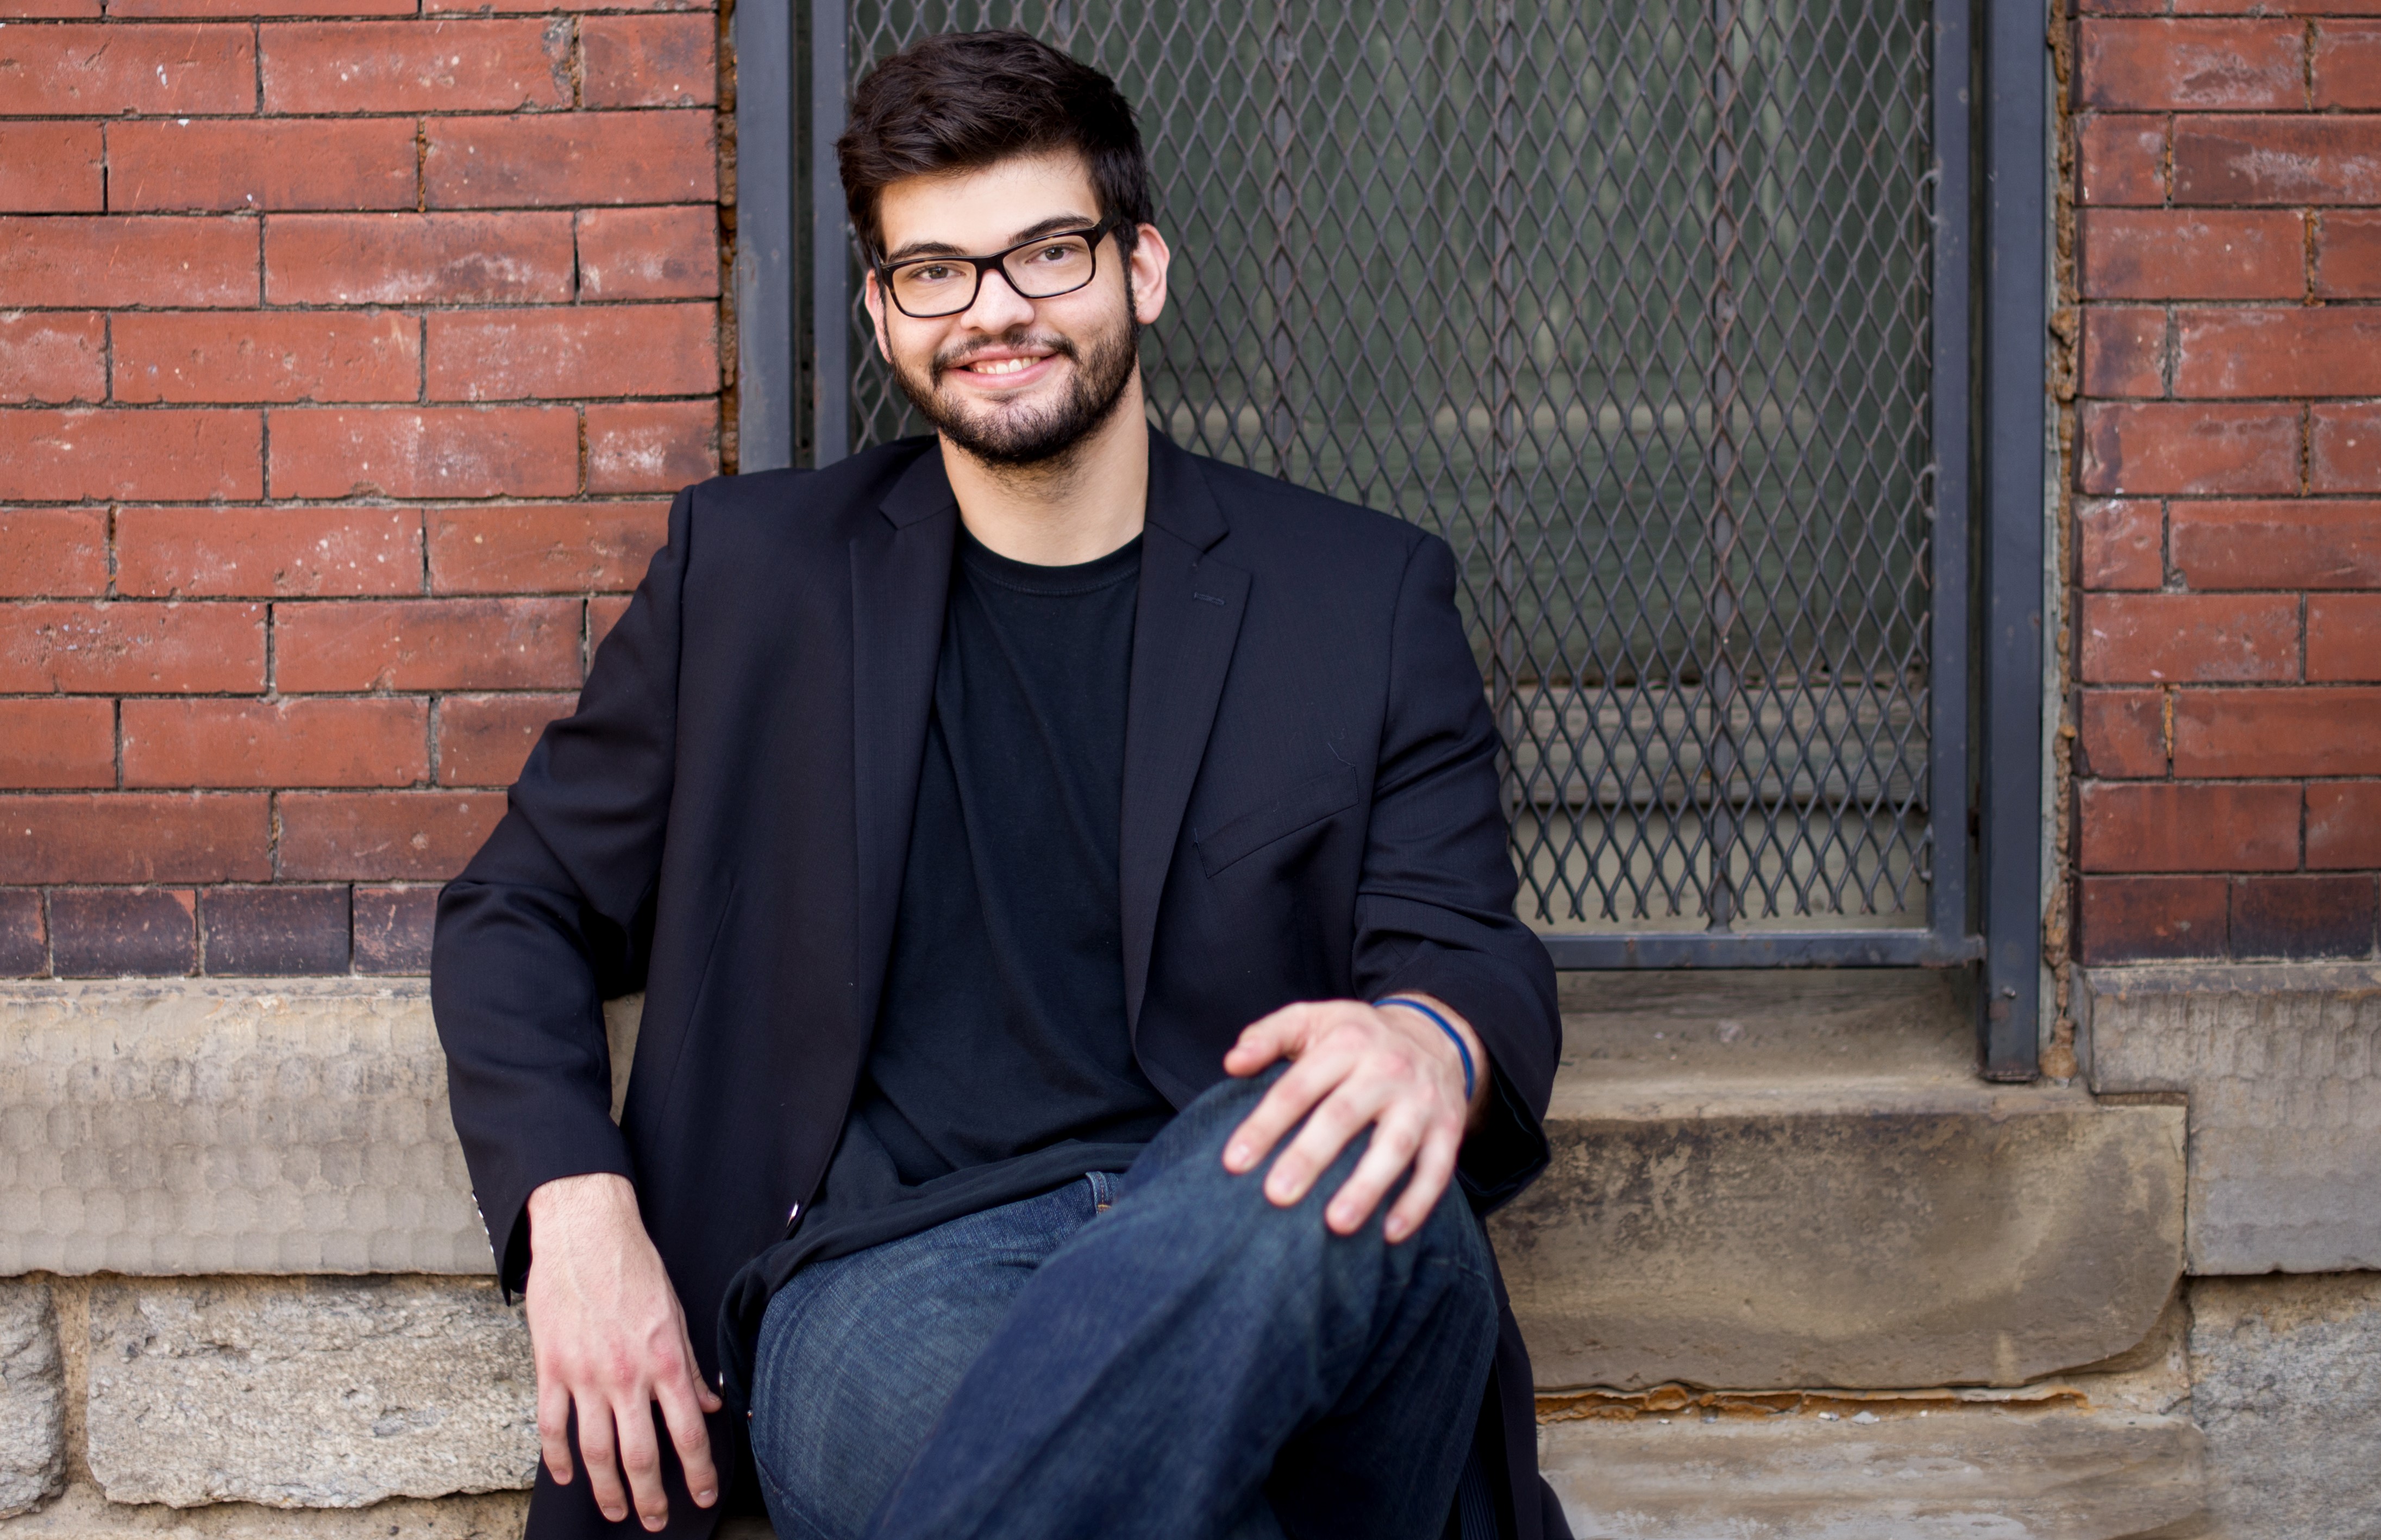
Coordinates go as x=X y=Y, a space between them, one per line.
x=547 y=920
x=1435 y=903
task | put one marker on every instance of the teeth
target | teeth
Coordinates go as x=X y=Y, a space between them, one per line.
x=1002 y=366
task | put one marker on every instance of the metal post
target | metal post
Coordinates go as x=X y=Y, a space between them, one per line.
x=1950 y=481
x=1721 y=600
x=1504 y=387
x=766 y=368
x=830 y=267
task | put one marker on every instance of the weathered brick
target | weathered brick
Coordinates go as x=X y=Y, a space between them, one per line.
x=2344 y=449
x=2162 y=638
x=551 y=548
x=484 y=739
x=649 y=254
x=218 y=553
x=2124 y=350
x=649 y=61
x=2303 y=917
x=294 y=163
x=105 y=932
x=51 y=168
x=2277 y=160
x=573 y=352
x=102 y=70
x=367 y=836
x=264 y=7
x=275 y=744
x=392 y=929
x=2207 y=448
x=401 y=67
x=2151 y=919
x=53 y=552
x=2194 y=255
x=427 y=644
x=69 y=454
x=24 y=938
x=399 y=258
x=651 y=447
x=604 y=612
x=2343 y=825
x=2247 y=66
x=2347 y=254
x=437 y=452
x=2327 y=730
x=2344 y=641
x=2153 y=826
x=2320 y=350
x=51 y=358
x=274 y=931
x=140 y=649
x=2347 y=64
x=2122 y=158
x=11 y=9
x=2123 y=733
x=138 y=837
x=559 y=159
x=504 y=6
x=111 y=260
x=2293 y=545
x=50 y=745
x=2276 y=8
x=2121 y=543
x=291 y=356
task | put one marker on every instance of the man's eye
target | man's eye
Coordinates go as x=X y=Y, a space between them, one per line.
x=931 y=275
x=1057 y=251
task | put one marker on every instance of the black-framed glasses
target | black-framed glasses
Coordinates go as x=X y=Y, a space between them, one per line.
x=1043 y=268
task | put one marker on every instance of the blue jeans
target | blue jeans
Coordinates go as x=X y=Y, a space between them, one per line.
x=1161 y=1354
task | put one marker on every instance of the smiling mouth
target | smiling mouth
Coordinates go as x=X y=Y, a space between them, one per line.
x=1000 y=366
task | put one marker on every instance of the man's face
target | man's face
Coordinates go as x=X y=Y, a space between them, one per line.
x=1011 y=380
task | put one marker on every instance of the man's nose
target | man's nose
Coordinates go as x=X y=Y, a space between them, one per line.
x=997 y=305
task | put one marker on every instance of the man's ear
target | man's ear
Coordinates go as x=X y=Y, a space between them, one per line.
x=1146 y=274
x=872 y=296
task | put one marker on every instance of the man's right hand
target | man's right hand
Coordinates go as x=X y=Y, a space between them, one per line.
x=610 y=1339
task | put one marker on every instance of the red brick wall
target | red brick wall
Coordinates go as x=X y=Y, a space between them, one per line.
x=349 y=351
x=2227 y=618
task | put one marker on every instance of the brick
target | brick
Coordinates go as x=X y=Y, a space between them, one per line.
x=51 y=168
x=2194 y=255
x=402 y=259
x=53 y=552
x=553 y=549
x=2122 y=542
x=110 y=261
x=295 y=356
x=2344 y=641
x=2166 y=827
x=2347 y=64
x=275 y=744
x=2343 y=825
x=222 y=553
x=2161 y=638
x=579 y=350
x=503 y=6
x=437 y=452
x=2122 y=158
x=2124 y=350
x=24 y=937
x=264 y=8
x=427 y=644
x=602 y=614
x=2293 y=545
x=364 y=836
x=121 y=836
x=320 y=163
x=649 y=254
x=2151 y=919
x=52 y=359
x=2344 y=449
x=484 y=739
x=102 y=70
x=2320 y=350
x=2124 y=733
x=2190 y=448
x=139 y=649
x=659 y=446
x=649 y=61
x=392 y=929
x=2303 y=917
x=2277 y=160
x=403 y=67
x=50 y=745
x=2277 y=8
x=2330 y=731
x=110 y=931
x=71 y=455
x=275 y=932
x=560 y=159
x=2223 y=65
x=29 y=9
x=2347 y=254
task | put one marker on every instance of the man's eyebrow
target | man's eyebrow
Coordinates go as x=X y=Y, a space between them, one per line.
x=1056 y=221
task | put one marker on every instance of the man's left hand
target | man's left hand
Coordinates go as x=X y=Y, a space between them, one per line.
x=1390 y=1068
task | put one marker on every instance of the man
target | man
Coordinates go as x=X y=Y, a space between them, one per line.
x=1069 y=888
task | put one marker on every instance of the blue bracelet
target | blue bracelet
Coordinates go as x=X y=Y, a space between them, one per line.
x=1444 y=1025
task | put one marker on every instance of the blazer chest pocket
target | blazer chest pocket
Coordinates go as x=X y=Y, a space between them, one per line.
x=1308 y=803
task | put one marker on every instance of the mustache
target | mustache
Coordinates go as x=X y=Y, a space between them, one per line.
x=962 y=353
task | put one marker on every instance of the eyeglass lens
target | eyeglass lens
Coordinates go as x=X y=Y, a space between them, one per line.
x=1040 y=271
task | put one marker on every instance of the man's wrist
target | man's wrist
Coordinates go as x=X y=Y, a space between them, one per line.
x=1458 y=1041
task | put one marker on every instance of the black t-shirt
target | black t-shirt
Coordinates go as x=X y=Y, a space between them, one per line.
x=1001 y=1065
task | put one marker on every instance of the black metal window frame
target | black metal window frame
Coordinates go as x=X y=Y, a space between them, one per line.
x=1990 y=188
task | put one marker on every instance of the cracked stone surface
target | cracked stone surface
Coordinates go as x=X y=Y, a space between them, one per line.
x=32 y=1445
x=2287 y=1384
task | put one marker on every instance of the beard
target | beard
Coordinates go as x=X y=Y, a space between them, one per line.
x=1014 y=435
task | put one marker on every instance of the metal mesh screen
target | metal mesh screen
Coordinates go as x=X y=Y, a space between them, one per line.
x=1630 y=303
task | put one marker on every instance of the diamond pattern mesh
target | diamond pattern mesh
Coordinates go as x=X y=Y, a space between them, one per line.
x=1630 y=303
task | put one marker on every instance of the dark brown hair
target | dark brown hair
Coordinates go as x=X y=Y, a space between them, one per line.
x=963 y=100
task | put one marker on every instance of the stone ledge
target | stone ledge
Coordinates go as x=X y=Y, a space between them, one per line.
x=82 y=1513
x=33 y=1398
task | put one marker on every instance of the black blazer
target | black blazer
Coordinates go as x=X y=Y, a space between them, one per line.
x=1311 y=810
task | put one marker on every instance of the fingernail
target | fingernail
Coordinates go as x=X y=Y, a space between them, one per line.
x=704 y=1496
x=1238 y=1155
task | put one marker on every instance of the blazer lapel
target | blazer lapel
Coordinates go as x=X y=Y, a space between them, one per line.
x=1183 y=635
